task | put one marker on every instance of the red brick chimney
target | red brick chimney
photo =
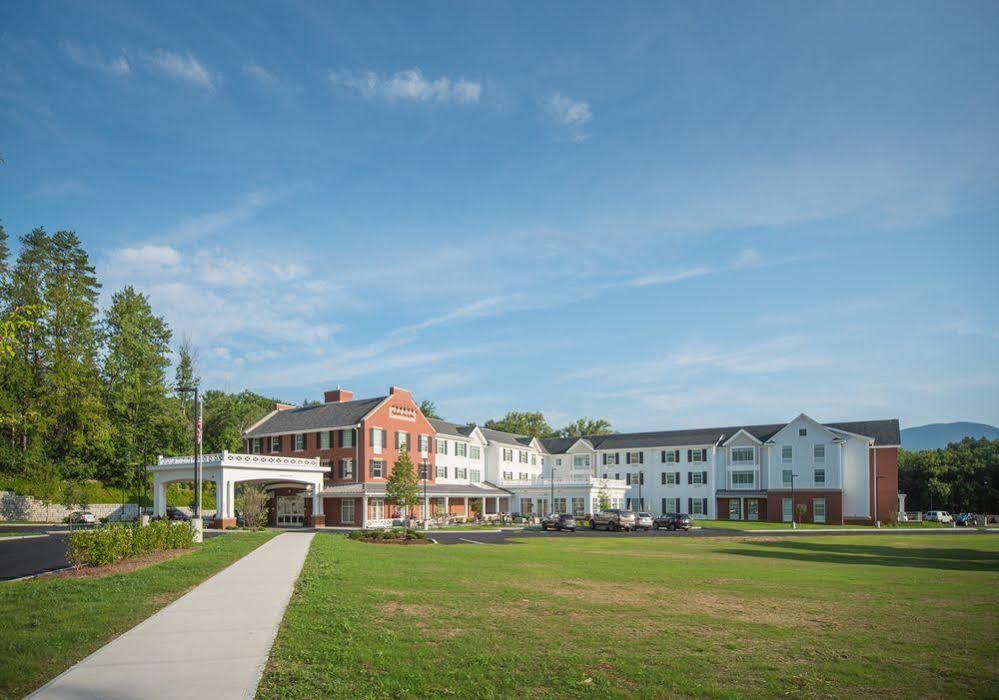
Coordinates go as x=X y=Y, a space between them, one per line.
x=398 y=391
x=338 y=395
x=283 y=406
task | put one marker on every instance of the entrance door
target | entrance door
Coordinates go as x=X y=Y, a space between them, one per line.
x=788 y=511
x=290 y=511
x=734 y=509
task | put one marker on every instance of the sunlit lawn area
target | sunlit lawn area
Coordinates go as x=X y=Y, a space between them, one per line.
x=764 y=525
x=836 y=616
x=51 y=623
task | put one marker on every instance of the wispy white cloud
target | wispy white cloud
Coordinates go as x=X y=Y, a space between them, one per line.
x=260 y=74
x=183 y=67
x=146 y=256
x=212 y=222
x=571 y=114
x=747 y=258
x=89 y=57
x=407 y=85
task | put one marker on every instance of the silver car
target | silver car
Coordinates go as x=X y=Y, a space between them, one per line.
x=643 y=521
x=613 y=519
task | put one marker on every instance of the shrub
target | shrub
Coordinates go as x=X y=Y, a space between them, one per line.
x=110 y=543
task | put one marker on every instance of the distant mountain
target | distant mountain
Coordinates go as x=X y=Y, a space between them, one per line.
x=937 y=435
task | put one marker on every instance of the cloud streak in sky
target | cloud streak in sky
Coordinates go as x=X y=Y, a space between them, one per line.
x=407 y=86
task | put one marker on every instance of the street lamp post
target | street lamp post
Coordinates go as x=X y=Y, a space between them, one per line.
x=426 y=502
x=551 y=503
x=794 y=524
x=641 y=480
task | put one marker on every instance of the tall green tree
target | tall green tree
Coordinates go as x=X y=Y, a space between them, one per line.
x=136 y=359
x=402 y=486
x=585 y=426
x=523 y=423
x=429 y=409
x=227 y=416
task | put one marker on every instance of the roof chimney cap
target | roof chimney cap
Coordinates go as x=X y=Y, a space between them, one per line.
x=338 y=395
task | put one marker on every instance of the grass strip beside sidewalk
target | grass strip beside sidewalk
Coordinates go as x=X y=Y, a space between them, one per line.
x=50 y=623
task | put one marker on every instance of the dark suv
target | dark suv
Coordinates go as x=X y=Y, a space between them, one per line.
x=559 y=521
x=672 y=521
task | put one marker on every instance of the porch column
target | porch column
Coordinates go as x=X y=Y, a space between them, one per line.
x=447 y=507
x=364 y=510
x=466 y=506
x=483 y=507
x=220 y=494
x=231 y=499
x=318 y=519
x=159 y=498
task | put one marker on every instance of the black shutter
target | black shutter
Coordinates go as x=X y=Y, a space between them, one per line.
x=704 y=455
x=627 y=458
x=704 y=506
x=662 y=456
x=617 y=458
x=677 y=457
x=641 y=478
x=641 y=458
x=690 y=505
x=627 y=478
x=690 y=477
x=704 y=477
x=663 y=478
x=690 y=455
x=678 y=477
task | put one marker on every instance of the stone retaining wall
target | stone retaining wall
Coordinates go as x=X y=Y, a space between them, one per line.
x=14 y=507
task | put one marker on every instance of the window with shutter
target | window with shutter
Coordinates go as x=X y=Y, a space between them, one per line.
x=690 y=455
x=690 y=477
x=704 y=477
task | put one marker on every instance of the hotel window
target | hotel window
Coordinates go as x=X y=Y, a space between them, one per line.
x=558 y=462
x=460 y=473
x=671 y=505
x=507 y=455
x=819 y=510
x=401 y=440
x=786 y=477
x=697 y=478
x=697 y=506
x=671 y=456
x=820 y=453
x=324 y=440
x=441 y=446
x=346 y=438
x=534 y=459
x=346 y=469
x=522 y=456
x=508 y=476
x=696 y=455
x=559 y=505
x=377 y=468
x=820 y=476
x=474 y=452
x=441 y=472
x=460 y=449
x=256 y=446
x=742 y=454
x=786 y=453
x=299 y=442
x=424 y=443
x=753 y=509
x=475 y=475
x=276 y=443
x=524 y=476
x=634 y=458
x=376 y=506
x=610 y=457
x=578 y=506
x=670 y=478
x=526 y=507
x=347 y=510
x=377 y=439
x=581 y=461
x=742 y=478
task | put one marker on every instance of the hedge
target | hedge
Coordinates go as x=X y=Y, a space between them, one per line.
x=110 y=543
x=393 y=533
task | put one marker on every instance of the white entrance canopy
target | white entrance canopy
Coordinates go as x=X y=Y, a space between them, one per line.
x=227 y=469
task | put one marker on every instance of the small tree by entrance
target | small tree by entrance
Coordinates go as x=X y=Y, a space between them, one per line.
x=800 y=510
x=402 y=485
x=603 y=500
x=252 y=504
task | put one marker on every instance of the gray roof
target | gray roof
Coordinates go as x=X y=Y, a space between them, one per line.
x=448 y=428
x=884 y=432
x=378 y=489
x=309 y=418
x=505 y=438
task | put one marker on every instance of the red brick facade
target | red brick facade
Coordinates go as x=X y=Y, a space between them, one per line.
x=834 y=505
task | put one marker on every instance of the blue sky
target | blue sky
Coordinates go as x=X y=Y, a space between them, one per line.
x=662 y=214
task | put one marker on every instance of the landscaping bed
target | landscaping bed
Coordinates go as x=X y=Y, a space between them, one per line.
x=108 y=544
x=393 y=535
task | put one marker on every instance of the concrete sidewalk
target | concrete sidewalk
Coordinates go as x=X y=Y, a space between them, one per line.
x=213 y=642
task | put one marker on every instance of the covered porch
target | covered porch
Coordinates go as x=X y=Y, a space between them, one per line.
x=367 y=505
x=288 y=478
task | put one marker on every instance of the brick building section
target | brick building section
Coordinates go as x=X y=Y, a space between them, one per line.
x=834 y=505
x=887 y=481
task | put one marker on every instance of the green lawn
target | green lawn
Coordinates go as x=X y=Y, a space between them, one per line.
x=765 y=525
x=49 y=624
x=834 y=616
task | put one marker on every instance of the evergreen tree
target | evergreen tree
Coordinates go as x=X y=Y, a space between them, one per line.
x=402 y=485
x=134 y=374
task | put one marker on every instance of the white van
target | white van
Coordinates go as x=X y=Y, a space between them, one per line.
x=940 y=516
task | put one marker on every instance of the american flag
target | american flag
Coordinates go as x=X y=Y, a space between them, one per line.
x=198 y=427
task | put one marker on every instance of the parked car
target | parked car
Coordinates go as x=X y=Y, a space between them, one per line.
x=177 y=514
x=643 y=521
x=82 y=516
x=559 y=521
x=672 y=521
x=966 y=520
x=613 y=519
x=939 y=516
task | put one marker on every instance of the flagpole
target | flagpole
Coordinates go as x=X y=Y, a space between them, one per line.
x=198 y=425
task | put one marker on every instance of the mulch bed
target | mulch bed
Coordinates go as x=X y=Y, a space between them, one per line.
x=122 y=567
x=364 y=539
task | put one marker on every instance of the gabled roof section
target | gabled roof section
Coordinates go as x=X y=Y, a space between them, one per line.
x=886 y=433
x=743 y=431
x=557 y=446
x=311 y=418
x=506 y=438
x=444 y=427
x=807 y=420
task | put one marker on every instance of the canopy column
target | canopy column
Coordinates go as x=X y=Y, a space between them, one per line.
x=159 y=498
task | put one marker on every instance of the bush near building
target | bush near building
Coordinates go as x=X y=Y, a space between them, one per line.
x=111 y=543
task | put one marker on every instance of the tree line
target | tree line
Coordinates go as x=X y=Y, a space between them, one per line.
x=85 y=393
x=962 y=477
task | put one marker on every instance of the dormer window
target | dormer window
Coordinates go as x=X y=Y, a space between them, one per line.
x=802 y=432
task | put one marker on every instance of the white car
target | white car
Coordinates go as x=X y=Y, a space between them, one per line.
x=940 y=516
x=82 y=516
